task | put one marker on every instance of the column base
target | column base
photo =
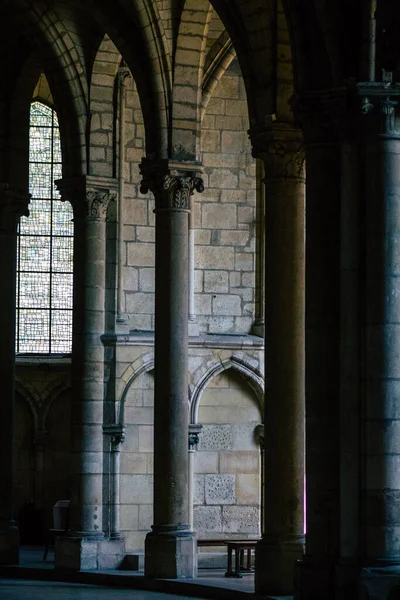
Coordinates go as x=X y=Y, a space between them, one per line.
x=171 y=555
x=85 y=554
x=9 y=544
x=275 y=562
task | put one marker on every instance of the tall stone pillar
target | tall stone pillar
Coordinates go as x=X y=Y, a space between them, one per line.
x=281 y=148
x=13 y=204
x=323 y=119
x=86 y=546
x=170 y=548
x=380 y=416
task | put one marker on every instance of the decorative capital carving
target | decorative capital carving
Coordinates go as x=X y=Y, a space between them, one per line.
x=379 y=108
x=123 y=72
x=89 y=196
x=116 y=433
x=40 y=439
x=171 y=183
x=97 y=201
x=281 y=148
x=193 y=436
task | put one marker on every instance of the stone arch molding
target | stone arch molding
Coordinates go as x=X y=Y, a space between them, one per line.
x=143 y=364
x=241 y=364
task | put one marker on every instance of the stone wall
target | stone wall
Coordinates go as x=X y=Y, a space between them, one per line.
x=139 y=223
x=224 y=217
x=227 y=461
x=137 y=463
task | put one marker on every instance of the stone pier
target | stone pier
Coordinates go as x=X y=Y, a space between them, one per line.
x=86 y=547
x=170 y=548
x=281 y=149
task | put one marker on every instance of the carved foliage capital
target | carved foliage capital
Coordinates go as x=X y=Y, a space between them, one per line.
x=281 y=148
x=284 y=161
x=117 y=435
x=380 y=113
x=87 y=199
x=172 y=190
x=97 y=201
x=193 y=435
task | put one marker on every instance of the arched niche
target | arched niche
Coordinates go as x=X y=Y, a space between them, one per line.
x=227 y=490
x=136 y=479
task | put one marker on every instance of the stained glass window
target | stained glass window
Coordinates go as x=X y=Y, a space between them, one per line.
x=45 y=247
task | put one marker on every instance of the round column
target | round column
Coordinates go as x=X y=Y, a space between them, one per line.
x=13 y=204
x=283 y=536
x=380 y=493
x=324 y=121
x=116 y=435
x=170 y=549
x=193 y=440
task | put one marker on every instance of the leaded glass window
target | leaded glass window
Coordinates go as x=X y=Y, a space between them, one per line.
x=45 y=247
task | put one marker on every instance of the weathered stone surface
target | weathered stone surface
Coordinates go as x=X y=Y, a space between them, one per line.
x=136 y=489
x=207 y=519
x=216 y=281
x=206 y=462
x=240 y=519
x=248 y=488
x=239 y=462
x=198 y=490
x=220 y=489
x=215 y=437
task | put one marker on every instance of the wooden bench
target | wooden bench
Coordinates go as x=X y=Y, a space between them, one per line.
x=239 y=547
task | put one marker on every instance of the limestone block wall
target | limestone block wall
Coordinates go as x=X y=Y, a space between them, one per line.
x=136 y=477
x=139 y=223
x=227 y=461
x=225 y=215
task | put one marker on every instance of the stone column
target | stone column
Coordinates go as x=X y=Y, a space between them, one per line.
x=193 y=439
x=380 y=425
x=170 y=549
x=13 y=204
x=259 y=322
x=85 y=547
x=281 y=148
x=193 y=324
x=323 y=119
x=117 y=437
